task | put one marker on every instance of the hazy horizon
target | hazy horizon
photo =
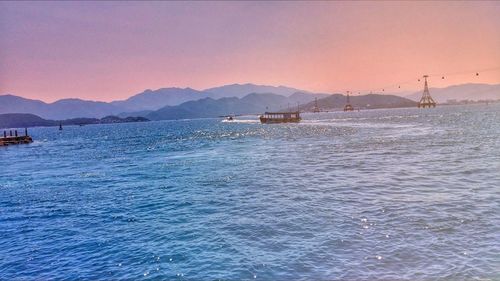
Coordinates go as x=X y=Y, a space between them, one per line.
x=406 y=94
x=112 y=50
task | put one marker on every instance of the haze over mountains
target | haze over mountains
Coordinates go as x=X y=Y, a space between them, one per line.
x=153 y=100
x=139 y=104
x=174 y=103
x=471 y=91
x=61 y=109
x=241 y=90
x=370 y=101
x=253 y=103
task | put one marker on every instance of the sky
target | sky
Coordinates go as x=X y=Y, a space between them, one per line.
x=112 y=50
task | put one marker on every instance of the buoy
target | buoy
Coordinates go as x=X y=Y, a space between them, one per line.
x=477 y=74
x=442 y=77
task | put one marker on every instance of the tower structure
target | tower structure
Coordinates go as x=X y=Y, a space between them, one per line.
x=316 y=107
x=348 y=106
x=426 y=100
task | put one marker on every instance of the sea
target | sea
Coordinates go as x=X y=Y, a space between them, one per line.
x=386 y=194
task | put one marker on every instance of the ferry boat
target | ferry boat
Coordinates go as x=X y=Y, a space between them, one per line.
x=280 y=117
x=229 y=117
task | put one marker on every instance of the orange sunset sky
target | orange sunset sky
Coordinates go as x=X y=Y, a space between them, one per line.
x=112 y=50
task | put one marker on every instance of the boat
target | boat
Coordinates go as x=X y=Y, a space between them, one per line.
x=229 y=117
x=280 y=117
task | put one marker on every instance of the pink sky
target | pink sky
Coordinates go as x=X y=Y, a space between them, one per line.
x=112 y=50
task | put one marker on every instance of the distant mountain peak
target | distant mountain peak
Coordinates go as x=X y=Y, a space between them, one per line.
x=151 y=100
x=241 y=90
x=468 y=91
x=61 y=109
x=70 y=100
x=156 y=99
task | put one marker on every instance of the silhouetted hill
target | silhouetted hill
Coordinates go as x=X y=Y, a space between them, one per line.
x=134 y=113
x=259 y=103
x=72 y=108
x=337 y=101
x=61 y=109
x=153 y=100
x=156 y=99
x=116 y=119
x=208 y=107
x=15 y=104
x=462 y=92
x=241 y=90
x=146 y=102
x=303 y=98
x=24 y=120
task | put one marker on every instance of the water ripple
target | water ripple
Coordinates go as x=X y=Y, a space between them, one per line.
x=402 y=194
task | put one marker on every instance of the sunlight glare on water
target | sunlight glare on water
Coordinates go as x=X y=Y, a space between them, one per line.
x=400 y=194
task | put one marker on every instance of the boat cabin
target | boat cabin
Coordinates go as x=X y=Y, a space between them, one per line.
x=280 y=117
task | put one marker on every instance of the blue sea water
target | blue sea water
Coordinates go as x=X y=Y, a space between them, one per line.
x=397 y=194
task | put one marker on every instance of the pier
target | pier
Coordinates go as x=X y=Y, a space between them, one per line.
x=14 y=138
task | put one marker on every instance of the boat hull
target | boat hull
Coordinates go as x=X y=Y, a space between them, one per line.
x=265 y=120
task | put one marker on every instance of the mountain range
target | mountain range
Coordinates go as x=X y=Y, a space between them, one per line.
x=140 y=104
x=144 y=102
x=153 y=100
x=241 y=90
x=370 y=101
x=250 y=104
x=253 y=103
x=471 y=91
x=182 y=101
x=258 y=103
x=61 y=109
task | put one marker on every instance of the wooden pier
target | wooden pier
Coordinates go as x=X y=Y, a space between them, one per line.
x=14 y=138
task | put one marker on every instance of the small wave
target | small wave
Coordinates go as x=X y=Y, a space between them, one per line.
x=241 y=121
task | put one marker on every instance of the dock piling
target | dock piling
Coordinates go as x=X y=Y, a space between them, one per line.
x=15 y=137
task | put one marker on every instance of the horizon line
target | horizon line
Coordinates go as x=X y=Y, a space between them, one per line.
x=342 y=92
